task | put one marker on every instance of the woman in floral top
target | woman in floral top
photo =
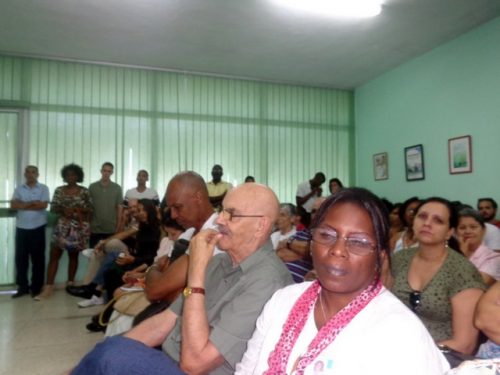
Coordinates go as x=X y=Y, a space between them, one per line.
x=73 y=204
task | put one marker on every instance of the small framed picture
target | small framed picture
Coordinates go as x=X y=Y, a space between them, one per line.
x=460 y=154
x=414 y=163
x=380 y=166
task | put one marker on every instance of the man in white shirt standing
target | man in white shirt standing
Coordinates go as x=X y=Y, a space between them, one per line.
x=141 y=191
x=30 y=200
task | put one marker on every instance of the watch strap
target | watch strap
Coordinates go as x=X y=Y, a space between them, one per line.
x=190 y=290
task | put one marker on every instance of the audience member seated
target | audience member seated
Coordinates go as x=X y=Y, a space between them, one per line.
x=487 y=207
x=116 y=264
x=345 y=322
x=470 y=232
x=296 y=251
x=217 y=188
x=491 y=237
x=335 y=185
x=487 y=319
x=206 y=330
x=141 y=191
x=167 y=254
x=307 y=193
x=249 y=179
x=285 y=225
x=438 y=283
x=187 y=197
x=118 y=242
x=189 y=204
x=406 y=238
x=396 y=225
x=73 y=205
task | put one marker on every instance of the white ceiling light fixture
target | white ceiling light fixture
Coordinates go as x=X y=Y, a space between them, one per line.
x=335 y=8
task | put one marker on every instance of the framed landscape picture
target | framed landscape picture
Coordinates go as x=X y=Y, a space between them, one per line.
x=460 y=154
x=381 y=166
x=414 y=163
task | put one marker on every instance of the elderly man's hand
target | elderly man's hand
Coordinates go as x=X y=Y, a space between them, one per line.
x=201 y=249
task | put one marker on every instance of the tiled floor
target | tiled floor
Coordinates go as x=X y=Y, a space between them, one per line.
x=46 y=337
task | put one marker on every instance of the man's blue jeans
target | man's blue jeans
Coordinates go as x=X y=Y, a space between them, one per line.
x=119 y=355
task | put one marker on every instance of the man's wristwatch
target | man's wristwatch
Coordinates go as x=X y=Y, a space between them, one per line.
x=190 y=290
x=289 y=243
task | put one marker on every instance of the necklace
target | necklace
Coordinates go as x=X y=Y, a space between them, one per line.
x=322 y=307
x=296 y=320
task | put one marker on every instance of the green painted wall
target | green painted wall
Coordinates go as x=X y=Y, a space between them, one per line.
x=451 y=91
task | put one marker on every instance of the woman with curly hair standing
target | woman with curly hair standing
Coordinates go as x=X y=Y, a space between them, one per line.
x=73 y=205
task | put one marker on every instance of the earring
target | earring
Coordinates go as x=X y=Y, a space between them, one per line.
x=446 y=243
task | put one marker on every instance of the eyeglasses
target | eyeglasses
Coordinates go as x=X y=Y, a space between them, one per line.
x=228 y=214
x=355 y=244
x=415 y=300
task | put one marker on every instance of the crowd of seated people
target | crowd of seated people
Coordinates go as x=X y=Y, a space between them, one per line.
x=115 y=264
x=439 y=259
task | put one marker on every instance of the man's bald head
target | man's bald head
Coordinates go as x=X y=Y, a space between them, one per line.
x=188 y=180
x=249 y=213
x=187 y=199
x=258 y=199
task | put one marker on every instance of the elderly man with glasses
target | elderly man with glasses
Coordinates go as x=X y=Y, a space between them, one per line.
x=206 y=329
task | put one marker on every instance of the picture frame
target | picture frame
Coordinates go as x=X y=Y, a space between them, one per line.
x=414 y=163
x=460 y=154
x=381 y=166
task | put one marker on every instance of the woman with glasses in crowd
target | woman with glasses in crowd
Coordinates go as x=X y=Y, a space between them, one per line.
x=439 y=284
x=345 y=322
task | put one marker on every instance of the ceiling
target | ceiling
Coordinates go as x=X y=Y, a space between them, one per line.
x=239 y=38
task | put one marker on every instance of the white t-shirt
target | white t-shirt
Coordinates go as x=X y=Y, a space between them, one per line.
x=385 y=338
x=146 y=194
x=277 y=237
x=492 y=237
x=303 y=189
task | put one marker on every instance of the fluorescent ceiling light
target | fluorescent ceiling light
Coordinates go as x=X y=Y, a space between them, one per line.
x=335 y=8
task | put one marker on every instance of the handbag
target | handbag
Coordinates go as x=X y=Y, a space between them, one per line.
x=130 y=303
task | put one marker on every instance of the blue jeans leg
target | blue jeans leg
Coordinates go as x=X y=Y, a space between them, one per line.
x=119 y=355
x=106 y=264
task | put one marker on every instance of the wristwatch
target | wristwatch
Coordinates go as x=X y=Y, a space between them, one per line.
x=190 y=290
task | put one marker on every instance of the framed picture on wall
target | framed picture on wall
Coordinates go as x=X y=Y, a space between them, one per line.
x=414 y=163
x=460 y=154
x=380 y=166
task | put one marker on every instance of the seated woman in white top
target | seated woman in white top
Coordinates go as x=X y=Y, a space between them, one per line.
x=470 y=234
x=285 y=224
x=406 y=238
x=345 y=322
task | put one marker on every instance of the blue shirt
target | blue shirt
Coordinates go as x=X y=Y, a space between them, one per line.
x=31 y=219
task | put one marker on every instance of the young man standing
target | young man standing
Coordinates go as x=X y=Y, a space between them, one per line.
x=107 y=198
x=30 y=200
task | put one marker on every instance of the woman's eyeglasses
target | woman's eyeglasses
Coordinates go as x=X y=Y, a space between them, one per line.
x=355 y=244
x=415 y=300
